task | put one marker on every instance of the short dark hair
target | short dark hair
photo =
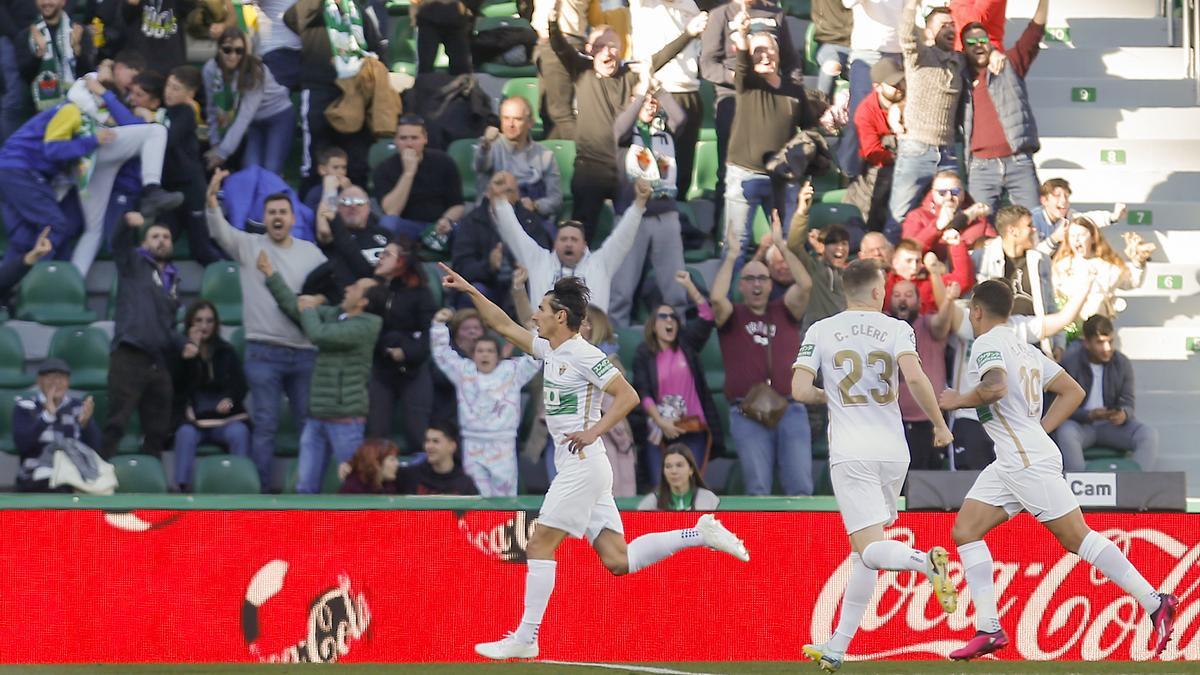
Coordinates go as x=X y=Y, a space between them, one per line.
x=970 y=27
x=445 y=428
x=410 y=120
x=835 y=233
x=488 y=337
x=1097 y=325
x=379 y=299
x=188 y=76
x=278 y=197
x=331 y=152
x=995 y=296
x=938 y=10
x=571 y=295
x=575 y=224
x=151 y=82
x=1053 y=184
x=131 y=58
x=1010 y=215
x=860 y=275
x=150 y=226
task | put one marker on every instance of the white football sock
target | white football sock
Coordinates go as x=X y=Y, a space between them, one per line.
x=854 y=604
x=894 y=555
x=651 y=548
x=977 y=566
x=1106 y=557
x=539 y=584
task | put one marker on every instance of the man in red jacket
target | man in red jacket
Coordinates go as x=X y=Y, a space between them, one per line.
x=947 y=207
x=877 y=146
x=907 y=265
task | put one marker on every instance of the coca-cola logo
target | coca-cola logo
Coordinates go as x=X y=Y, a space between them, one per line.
x=1062 y=610
x=504 y=541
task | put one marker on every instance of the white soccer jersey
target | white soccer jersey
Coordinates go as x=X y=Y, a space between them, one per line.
x=1014 y=422
x=856 y=352
x=575 y=375
x=1027 y=328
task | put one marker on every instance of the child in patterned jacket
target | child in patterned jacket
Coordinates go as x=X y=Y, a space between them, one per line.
x=489 y=406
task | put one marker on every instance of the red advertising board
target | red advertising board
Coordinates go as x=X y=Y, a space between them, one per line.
x=405 y=586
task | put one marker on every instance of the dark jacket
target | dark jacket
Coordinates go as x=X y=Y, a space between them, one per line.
x=182 y=163
x=147 y=299
x=353 y=485
x=306 y=19
x=1011 y=101
x=32 y=429
x=405 y=325
x=154 y=29
x=15 y=16
x=351 y=256
x=645 y=379
x=202 y=383
x=421 y=479
x=28 y=62
x=477 y=235
x=718 y=58
x=1118 y=381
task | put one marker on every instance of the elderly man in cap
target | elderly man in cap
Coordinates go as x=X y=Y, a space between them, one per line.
x=878 y=120
x=46 y=412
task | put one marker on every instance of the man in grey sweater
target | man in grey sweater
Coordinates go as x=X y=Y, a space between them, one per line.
x=279 y=358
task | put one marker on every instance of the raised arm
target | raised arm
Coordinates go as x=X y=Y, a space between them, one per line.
x=910 y=38
x=941 y=323
x=444 y=355
x=232 y=240
x=572 y=59
x=690 y=32
x=718 y=295
x=492 y=315
x=922 y=391
x=797 y=296
x=612 y=253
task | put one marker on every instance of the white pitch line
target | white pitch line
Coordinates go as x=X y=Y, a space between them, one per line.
x=627 y=668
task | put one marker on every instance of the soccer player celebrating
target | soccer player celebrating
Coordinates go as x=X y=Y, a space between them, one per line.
x=860 y=349
x=579 y=501
x=1004 y=383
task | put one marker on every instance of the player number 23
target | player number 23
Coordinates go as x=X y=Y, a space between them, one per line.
x=883 y=395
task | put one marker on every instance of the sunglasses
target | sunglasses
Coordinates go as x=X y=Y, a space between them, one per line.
x=975 y=41
x=949 y=191
x=233 y=50
x=353 y=201
x=667 y=316
x=755 y=278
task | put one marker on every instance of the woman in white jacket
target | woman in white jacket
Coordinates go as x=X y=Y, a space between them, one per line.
x=1087 y=254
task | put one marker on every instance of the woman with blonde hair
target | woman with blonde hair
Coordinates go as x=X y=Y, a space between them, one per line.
x=1085 y=255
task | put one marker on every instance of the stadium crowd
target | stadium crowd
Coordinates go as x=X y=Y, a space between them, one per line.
x=693 y=134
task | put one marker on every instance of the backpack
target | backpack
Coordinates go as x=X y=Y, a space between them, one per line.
x=453 y=106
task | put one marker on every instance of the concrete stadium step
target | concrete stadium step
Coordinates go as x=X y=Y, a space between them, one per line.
x=1167 y=280
x=1124 y=185
x=1135 y=154
x=1170 y=312
x=1129 y=63
x=1180 y=247
x=1106 y=92
x=1094 y=121
x=1176 y=215
x=1162 y=343
x=1093 y=32
x=1114 y=9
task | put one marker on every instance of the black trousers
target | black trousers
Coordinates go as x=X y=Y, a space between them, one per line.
x=925 y=457
x=413 y=391
x=458 y=46
x=591 y=185
x=686 y=137
x=723 y=117
x=137 y=382
x=557 y=92
x=973 y=448
x=319 y=134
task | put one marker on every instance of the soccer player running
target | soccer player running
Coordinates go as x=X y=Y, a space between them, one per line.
x=1004 y=383
x=579 y=501
x=860 y=349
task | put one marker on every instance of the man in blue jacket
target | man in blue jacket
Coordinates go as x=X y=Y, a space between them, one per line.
x=49 y=410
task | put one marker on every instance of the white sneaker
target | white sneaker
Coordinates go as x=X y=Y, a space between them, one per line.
x=507 y=648
x=718 y=538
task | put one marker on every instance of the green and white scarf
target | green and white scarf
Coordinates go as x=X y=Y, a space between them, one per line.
x=225 y=97
x=87 y=163
x=56 y=72
x=347 y=41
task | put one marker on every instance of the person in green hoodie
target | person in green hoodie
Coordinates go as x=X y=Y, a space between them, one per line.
x=345 y=340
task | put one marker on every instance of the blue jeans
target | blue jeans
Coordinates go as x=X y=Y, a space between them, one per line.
x=787 y=447
x=12 y=91
x=830 y=54
x=269 y=141
x=987 y=178
x=317 y=441
x=272 y=371
x=746 y=191
x=916 y=165
x=235 y=436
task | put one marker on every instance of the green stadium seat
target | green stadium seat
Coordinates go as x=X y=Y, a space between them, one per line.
x=238 y=339
x=801 y=9
x=433 y=276
x=400 y=44
x=222 y=286
x=140 y=474
x=8 y=399
x=628 y=340
x=722 y=405
x=287 y=435
x=704 y=172
x=823 y=214
x=462 y=151
x=564 y=157
x=380 y=151
x=330 y=483
x=492 y=9
x=708 y=105
x=823 y=483
x=85 y=349
x=12 y=360
x=226 y=474
x=53 y=293
x=527 y=88
x=734 y=483
x=810 y=41
x=503 y=15
x=604 y=226
x=832 y=196
x=1103 y=452
x=1111 y=464
x=713 y=364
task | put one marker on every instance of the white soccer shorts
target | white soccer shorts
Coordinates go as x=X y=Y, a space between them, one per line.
x=1038 y=488
x=580 y=499
x=867 y=492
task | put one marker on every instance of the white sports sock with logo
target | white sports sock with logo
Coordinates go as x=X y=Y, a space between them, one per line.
x=894 y=555
x=977 y=567
x=1106 y=557
x=858 y=594
x=539 y=584
x=651 y=548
